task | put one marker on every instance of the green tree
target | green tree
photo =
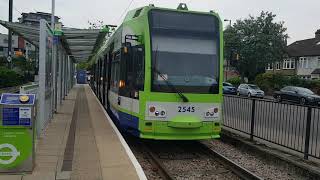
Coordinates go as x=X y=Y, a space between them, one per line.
x=24 y=67
x=257 y=41
x=3 y=61
x=83 y=66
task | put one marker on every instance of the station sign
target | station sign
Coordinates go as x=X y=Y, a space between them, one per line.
x=9 y=59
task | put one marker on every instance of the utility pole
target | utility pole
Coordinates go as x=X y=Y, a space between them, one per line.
x=54 y=57
x=9 y=58
x=52 y=14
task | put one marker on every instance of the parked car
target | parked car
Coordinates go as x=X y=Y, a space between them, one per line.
x=228 y=88
x=250 y=90
x=298 y=95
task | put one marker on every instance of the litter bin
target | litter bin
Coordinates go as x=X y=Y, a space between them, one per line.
x=17 y=122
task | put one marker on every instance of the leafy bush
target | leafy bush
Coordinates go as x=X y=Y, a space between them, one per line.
x=270 y=82
x=3 y=61
x=236 y=81
x=9 y=78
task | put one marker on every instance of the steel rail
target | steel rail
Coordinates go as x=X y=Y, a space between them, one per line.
x=156 y=163
x=240 y=171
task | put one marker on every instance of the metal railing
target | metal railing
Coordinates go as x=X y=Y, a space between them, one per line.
x=9 y=89
x=292 y=126
x=14 y=89
x=29 y=89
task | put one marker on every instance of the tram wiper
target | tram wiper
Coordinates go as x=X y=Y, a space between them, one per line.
x=174 y=89
x=182 y=96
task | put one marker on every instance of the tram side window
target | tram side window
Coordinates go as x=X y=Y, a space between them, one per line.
x=96 y=76
x=115 y=72
x=138 y=68
x=125 y=74
x=132 y=72
x=102 y=71
x=106 y=69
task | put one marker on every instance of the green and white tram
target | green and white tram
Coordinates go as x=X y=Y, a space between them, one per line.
x=160 y=74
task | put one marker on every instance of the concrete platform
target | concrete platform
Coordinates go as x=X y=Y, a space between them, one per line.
x=81 y=142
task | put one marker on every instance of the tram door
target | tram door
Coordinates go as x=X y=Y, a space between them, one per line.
x=105 y=80
x=132 y=81
x=100 y=79
x=108 y=74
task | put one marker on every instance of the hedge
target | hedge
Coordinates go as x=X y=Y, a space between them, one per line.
x=236 y=81
x=9 y=78
x=270 y=82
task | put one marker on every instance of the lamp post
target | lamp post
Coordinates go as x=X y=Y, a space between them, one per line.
x=227 y=67
x=9 y=58
x=52 y=13
x=54 y=59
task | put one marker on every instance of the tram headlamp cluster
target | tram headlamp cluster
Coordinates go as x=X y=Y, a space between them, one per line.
x=155 y=111
x=212 y=113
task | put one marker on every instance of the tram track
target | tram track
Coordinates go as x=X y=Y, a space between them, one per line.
x=242 y=172
x=157 y=164
x=192 y=160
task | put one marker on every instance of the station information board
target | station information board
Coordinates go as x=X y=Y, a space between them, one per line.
x=17 y=132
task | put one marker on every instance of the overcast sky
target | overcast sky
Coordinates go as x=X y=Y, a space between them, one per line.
x=302 y=18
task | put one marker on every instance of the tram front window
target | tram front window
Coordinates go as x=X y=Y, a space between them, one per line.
x=185 y=52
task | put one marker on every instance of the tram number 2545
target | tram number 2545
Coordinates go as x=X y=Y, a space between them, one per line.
x=186 y=109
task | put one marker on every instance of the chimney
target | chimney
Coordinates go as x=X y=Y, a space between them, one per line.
x=318 y=34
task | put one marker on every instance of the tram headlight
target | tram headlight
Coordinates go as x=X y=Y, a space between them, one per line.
x=152 y=109
x=212 y=113
x=156 y=111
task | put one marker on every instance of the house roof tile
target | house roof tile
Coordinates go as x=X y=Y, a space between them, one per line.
x=307 y=47
x=316 y=71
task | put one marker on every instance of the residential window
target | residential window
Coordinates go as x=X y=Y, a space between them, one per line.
x=318 y=61
x=269 y=66
x=288 y=64
x=303 y=62
x=278 y=66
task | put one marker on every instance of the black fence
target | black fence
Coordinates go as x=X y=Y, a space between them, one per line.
x=289 y=125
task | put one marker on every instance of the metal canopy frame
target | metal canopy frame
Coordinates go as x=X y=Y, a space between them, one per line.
x=83 y=42
x=58 y=54
x=80 y=44
x=28 y=32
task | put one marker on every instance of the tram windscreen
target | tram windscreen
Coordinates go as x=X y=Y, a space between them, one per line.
x=185 y=52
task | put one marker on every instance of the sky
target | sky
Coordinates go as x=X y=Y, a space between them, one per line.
x=302 y=18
